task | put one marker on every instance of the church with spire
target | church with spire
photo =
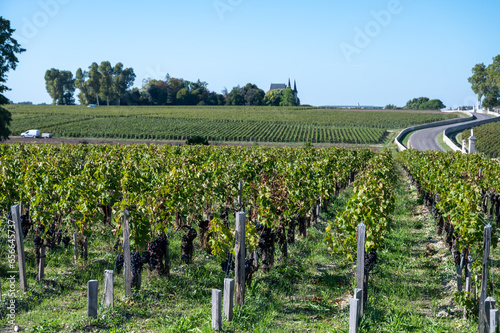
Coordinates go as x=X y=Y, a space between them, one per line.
x=279 y=86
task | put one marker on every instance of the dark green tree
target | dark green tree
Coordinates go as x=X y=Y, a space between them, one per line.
x=492 y=94
x=122 y=80
x=252 y=94
x=478 y=80
x=106 y=81
x=433 y=104
x=94 y=82
x=492 y=97
x=288 y=97
x=8 y=60
x=61 y=86
x=414 y=104
x=173 y=87
x=81 y=83
x=485 y=82
x=493 y=72
x=184 y=97
x=235 y=97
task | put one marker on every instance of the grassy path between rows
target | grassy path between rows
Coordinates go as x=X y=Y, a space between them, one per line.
x=412 y=285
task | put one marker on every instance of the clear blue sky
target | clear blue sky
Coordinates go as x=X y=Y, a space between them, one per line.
x=340 y=52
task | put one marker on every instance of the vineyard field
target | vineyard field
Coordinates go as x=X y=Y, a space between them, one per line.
x=248 y=124
x=487 y=139
x=186 y=197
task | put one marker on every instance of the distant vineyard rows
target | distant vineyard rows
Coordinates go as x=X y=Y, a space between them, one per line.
x=181 y=129
x=488 y=140
x=218 y=124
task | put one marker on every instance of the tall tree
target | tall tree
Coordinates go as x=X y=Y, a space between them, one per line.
x=123 y=79
x=492 y=94
x=68 y=88
x=94 y=81
x=493 y=72
x=150 y=92
x=106 y=81
x=53 y=84
x=252 y=94
x=199 y=92
x=478 y=81
x=485 y=82
x=173 y=87
x=61 y=86
x=81 y=84
x=235 y=97
x=8 y=60
x=492 y=97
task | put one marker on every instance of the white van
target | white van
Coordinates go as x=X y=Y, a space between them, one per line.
x=31 y=134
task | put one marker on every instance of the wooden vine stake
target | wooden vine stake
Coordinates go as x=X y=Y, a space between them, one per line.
x=228 y=298
x=109 y=293
x=360 y=264
x=239 y=267
x=353 y=315
x=75 y=236
x=468 y=280
x=489 y=305
x=92 y=293
x=483 y=316
x=41 y=264
x=16 y=218
x=493 y=320
x=216 y=310
x=240 y=196
x=127 y=271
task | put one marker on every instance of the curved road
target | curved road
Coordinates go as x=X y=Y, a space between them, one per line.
x=426 y=139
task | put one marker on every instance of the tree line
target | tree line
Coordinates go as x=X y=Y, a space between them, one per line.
x=113 y=84
x=485 y=82
x=420 y=103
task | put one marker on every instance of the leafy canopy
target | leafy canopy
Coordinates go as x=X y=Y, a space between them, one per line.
x=8 y=60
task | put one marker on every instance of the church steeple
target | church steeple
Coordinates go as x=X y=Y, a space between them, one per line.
x=294 y=86
x=289 y=85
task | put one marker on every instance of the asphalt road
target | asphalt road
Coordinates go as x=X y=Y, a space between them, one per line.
x=426 y=139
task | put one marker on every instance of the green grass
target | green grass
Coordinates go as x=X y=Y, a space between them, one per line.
x=409 y=284
x=262 y=124
x=443 y=144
